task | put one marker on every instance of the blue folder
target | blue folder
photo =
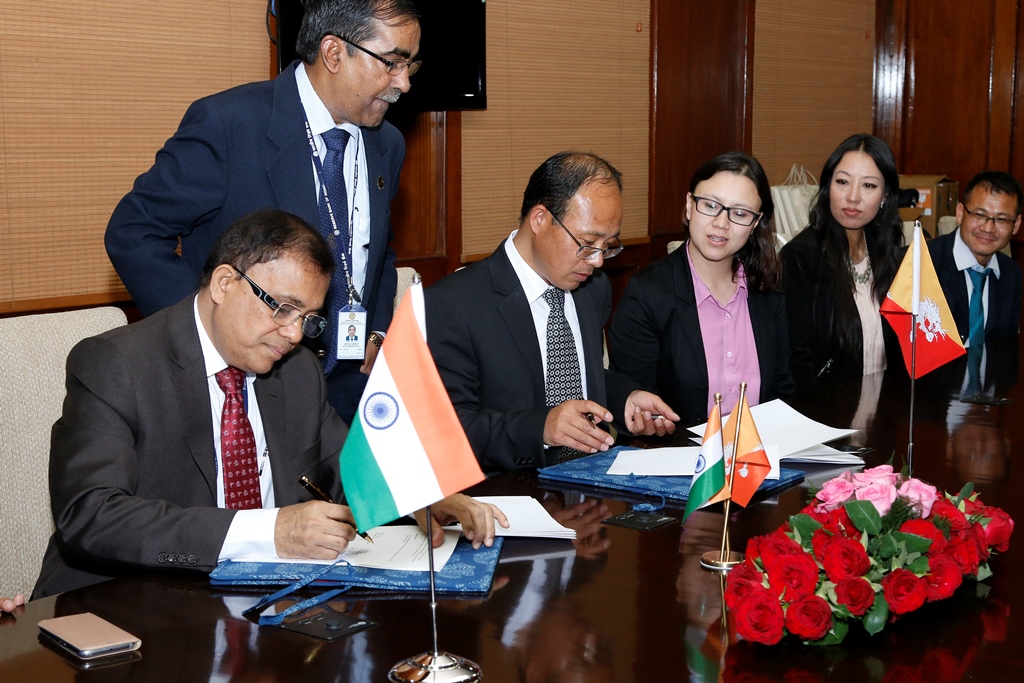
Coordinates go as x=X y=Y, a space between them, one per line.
x=592 y=470
x=467 y=571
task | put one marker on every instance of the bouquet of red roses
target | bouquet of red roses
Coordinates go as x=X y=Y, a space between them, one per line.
x=869 y=546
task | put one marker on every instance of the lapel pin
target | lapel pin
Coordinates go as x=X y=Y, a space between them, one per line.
x=380 y=182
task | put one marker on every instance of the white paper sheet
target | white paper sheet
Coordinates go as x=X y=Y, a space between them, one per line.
x=526 y=517
x=393 y=547
x=673 y=461
x=778 y=423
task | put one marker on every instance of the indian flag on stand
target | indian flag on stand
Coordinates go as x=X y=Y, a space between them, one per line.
x=406 y=448
x=709 y=473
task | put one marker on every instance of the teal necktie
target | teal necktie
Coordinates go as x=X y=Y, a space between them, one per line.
x=977 y=310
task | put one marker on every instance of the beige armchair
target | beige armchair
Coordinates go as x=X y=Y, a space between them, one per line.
x=33 y=351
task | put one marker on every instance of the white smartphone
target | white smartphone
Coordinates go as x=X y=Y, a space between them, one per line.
x=87 y=636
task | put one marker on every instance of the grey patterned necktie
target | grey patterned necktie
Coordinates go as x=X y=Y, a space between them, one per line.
x=563 y=381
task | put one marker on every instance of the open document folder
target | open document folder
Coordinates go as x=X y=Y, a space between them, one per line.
x=526 y=517
x=799 y=437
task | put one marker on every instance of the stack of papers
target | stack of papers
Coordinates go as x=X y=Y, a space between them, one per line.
x=673 y=462
x=526 y=517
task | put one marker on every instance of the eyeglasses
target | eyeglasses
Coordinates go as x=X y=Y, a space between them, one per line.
x=395 y=66
x=611 y=249
x=709 y=207
x=981 y=219
x=287 y=314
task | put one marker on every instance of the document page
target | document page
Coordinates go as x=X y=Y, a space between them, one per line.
x=526 y=517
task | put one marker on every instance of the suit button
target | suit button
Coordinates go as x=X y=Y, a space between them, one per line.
x=320 y=353
x=162 y=557
x=171 y=557
x=183 y=558
x=192 y=559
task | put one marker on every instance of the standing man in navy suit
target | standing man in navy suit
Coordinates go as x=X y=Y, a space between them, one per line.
x=987 y=218
x=252 y=147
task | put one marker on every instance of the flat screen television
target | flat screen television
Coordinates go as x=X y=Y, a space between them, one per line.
x=453 y=46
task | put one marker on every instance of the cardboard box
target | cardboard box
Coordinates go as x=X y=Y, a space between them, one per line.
x=938 y=196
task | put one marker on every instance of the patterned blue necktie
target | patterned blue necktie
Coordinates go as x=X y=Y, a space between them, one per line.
x=336 y=140
x=977 y=310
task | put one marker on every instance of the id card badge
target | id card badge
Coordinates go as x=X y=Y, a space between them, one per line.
x=352 y=333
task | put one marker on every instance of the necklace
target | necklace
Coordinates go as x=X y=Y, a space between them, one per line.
x=860 y=278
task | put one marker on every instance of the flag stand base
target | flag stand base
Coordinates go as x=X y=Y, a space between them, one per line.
x=435 y=667
x=713 y=562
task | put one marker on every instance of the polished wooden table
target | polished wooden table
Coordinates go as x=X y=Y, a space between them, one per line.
x=617 y=604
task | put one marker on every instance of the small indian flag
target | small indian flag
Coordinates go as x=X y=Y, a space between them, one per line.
x=709 y=472
x=406 y=448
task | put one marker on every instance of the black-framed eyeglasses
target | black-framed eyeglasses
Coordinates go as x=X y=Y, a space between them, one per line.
x=287 y=314
x=395 y=66
x=709 y=207
x=612 y=247
x=983 y=218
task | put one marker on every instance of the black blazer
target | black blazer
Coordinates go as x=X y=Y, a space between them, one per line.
x=1004 y=292
x=132 y=460
x=482 y=337
x=655 y=338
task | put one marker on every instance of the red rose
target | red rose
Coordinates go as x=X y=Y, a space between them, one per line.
x=979 y=538
x=839 y=522
x=820 y=540
x=810 y=617
x=793 y=576
x=743 y=579
x=845 y=558
x=775 y=545
x=857 y=594
x=998 y=529
x=759 y=618
x=973 y=507
x=964 y=549
x=943 y=577
x=945 y=509
x=904 y=591
x=926 y=529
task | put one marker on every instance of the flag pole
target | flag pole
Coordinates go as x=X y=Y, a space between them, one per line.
x=915 y=310
x=726 y=559
x=434 y=666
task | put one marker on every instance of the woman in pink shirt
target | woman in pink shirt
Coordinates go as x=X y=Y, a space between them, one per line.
x=708 y=316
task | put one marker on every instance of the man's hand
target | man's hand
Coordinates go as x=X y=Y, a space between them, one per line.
x=369 y=358
x=10 y=604
x=477 y=519
x=567 y=425
x=314 y=530
x=647 y=414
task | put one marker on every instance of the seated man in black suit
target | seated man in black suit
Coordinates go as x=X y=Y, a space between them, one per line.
x=522 y=362
x=982 y=285
x=183 y=437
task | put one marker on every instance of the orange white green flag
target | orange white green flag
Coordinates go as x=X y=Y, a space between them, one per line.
x=709 y=472
x=751 y=462
x=916 y=289
x=406 y=448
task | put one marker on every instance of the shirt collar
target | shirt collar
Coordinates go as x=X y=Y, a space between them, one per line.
x=533 y=284
x=319 y=117
x=701 y=293
x=964 y=257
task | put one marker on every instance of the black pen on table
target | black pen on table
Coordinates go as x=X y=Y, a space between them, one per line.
x=316 y=491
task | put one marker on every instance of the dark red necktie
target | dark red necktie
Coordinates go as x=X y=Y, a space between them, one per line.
x=237 y=446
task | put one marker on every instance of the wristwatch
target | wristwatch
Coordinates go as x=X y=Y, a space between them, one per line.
x=377 y=338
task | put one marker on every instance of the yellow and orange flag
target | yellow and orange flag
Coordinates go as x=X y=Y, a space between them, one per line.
x=916 y=289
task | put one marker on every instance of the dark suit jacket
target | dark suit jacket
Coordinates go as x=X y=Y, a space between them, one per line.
x=234 y=153
x=1004 y=292
x=655 y=338
x=132 y=459
x=481 y=334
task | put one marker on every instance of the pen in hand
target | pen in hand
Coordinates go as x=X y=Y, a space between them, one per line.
x=316 y=491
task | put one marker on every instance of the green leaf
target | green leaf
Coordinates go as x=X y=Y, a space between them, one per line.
x=887 y=546
x=864 y=516
x=984 y=571
x=919 y=566
x=913 y=542
x=874 y=620
x=834 y=636
x=964 y=494
x=803 y=527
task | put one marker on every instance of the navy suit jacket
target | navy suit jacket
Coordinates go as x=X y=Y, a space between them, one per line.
x=655 y=338
x=483 y=340
x=1004 y=292
x=133 y=474
x=236 y=152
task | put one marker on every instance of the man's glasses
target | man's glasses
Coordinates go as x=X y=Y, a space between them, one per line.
x=612 y=247
x=709 y=207
x=395 y=66
x=287 y=314
x=980 y=219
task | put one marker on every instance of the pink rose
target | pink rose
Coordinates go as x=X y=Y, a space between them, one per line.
x=921 y=494
x=835 y=492
x=882 y=474
x=880 y=495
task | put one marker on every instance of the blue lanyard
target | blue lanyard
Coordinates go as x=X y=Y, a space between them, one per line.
x=266 y=600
